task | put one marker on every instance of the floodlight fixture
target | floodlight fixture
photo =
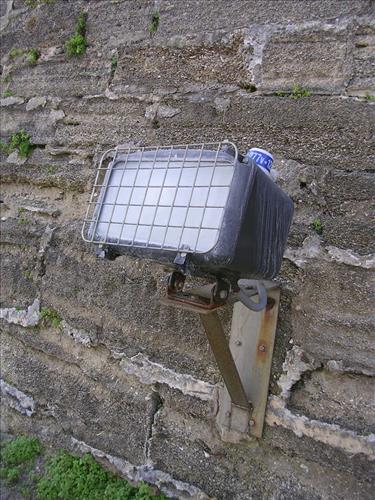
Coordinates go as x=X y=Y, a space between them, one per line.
x=201 y=209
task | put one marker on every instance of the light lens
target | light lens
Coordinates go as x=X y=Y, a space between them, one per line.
x=169 y=198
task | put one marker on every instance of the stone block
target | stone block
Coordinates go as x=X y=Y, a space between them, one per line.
x=122 y=297
x=311 y=130
x=103 y=122
x=110 y=416
x=315 y=59
x=333 y=315
x=62 y=170
x=48 y=25
x=188 y=450
x=344 y=399
x=363 y=73
x=161 y=69
x=61 y=77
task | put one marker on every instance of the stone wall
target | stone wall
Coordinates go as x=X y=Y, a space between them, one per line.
x=123 y=377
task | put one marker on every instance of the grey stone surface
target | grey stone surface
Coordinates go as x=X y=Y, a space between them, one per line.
x=109 y=415
x=312 y=58
x=323 y=395
x=124 y=377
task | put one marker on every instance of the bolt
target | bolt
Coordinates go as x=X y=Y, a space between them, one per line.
x=238 y=342
x=228 y=414
x=262 y=348
x=251 y=422
x=223 y=294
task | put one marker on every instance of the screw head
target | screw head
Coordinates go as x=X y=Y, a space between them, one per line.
x=262 y=348
x=223 y=294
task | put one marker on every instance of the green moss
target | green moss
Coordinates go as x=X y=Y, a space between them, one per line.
x=8 y=93
x=7 y=78
x=76 y=45
x=369 y=97
x=298 y=92
x=51 y=169
x=20 y=142
x=114 y=62
x=16 y=454
x=50 y=316
x=154 y=24
x=77 y=478
x=36 y=3
x=317 y=225
x=14 y=52
x=33 y=56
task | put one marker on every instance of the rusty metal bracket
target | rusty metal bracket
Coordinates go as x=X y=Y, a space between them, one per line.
x=244 y=362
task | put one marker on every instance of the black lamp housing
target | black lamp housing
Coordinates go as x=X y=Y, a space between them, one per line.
x=201 y=205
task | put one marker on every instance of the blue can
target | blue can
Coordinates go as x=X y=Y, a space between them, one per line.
x=262 y=158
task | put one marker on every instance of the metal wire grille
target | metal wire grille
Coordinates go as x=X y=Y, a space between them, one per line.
x=170 y=197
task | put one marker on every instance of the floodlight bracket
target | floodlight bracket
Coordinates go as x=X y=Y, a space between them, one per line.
x=244 y=362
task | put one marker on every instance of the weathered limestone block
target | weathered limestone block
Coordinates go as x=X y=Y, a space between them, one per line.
x=122 y=296
x=341 y=200
x=175 y=68
x=62 y=77
x=48 y=25
x=185 y=448
x=40 y=124
x=102 y=121
x=333 y=315
x=313 y=58
x=340 y=398
x=65 y=171
x=111 y=416
x=362 y=78
x=311 y=130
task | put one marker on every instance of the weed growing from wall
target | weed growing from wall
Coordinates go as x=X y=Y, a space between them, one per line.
x=154 y=24
x=20 y=142
x=16 y=455
x=33 y=56
x=82 y=478
x=76 y=45
x=14 y=53
x=50 y=317
x=317 y=225
x=297 y=92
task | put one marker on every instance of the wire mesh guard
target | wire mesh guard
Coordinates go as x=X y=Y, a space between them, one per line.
x=170 y=197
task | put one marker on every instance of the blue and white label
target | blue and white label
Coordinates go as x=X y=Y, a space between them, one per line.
x=262 y=158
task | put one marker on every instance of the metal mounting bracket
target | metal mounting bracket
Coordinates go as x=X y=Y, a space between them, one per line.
x=244 y=362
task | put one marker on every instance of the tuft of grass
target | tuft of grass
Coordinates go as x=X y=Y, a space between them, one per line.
x=51 y=169
x=7 y=78
x=33 y=56
x=317 y=225
x=50 y=316
x=76 y=45
x=154 y=24
x=36 y=3
x=20 y=142
x=298 y=92
x=16 y=454
x=114 y=61
x=8 y=93
x=82 y=478
x=14 y=53
x=369 y=97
